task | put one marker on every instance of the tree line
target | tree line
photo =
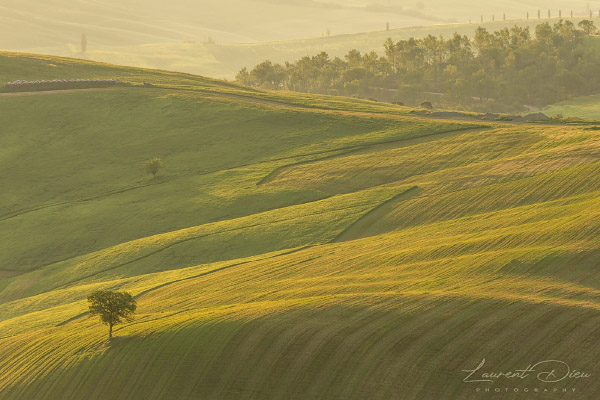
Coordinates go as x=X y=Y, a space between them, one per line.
x=505 y=70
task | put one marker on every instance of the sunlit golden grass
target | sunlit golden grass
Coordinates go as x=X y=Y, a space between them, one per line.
x=288 y=251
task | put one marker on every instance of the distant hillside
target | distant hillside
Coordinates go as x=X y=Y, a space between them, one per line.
x=36 y=23
x=177 y=36
x=225 y=60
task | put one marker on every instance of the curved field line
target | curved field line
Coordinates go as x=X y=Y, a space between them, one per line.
x=355 y=229
x=200 y=237
x=369 y=147
x=137 y=296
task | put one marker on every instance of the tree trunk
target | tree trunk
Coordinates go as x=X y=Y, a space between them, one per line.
x=110 y=332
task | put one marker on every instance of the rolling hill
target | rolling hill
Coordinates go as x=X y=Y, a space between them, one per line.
x=293 y=246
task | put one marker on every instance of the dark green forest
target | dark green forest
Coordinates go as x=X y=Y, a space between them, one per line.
x=504 y=71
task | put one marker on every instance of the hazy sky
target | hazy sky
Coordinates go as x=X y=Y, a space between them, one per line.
x=31 y=24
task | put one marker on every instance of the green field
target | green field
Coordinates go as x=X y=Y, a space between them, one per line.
x=292 y=247
x=587 y=107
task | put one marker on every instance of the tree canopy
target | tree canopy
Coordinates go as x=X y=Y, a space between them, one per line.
x=112 y=307
x=153 y=166
x=500 y=71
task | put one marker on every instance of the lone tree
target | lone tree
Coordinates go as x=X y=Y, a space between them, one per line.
x=153 y=166
x=83 y=43
x=112 y=307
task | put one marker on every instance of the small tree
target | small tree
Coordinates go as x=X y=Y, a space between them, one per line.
x=427 y=105
x=83 y=43
x=153 y=166
x=112 y=307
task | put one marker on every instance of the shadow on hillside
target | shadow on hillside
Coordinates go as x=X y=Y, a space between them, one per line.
x=572 y=265
x=118 y=342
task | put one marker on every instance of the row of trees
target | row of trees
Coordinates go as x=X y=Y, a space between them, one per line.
x=499 y=71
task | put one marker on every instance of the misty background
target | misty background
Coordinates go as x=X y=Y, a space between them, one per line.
x=218 y=37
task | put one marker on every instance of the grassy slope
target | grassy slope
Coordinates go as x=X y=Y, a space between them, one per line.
x=293 y=247
x=587 y=107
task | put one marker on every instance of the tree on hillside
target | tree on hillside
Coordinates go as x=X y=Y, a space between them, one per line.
x=153 y=166
x=112 y=307
x=244 y=77
x=587 y=26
